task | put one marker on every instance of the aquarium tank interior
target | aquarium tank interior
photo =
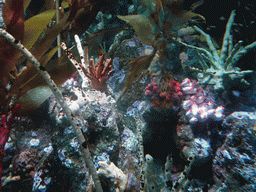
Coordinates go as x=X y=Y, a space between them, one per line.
x=127 y=96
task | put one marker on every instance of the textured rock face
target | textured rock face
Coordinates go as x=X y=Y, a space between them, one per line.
x=1 y=18
x=97 y=116
x=235 y=162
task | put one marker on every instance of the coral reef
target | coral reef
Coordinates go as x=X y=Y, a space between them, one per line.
x=196 y=104
x=166 y=120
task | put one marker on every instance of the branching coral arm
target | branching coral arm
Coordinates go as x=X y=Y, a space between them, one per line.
x=232 y=53
x=92 y=67
x=230 y=43
x=81 y=140
x=225 y=42
x=107 y=70
x=216 y=57
x=211 y=59
x=242 y=53
x=100 y=67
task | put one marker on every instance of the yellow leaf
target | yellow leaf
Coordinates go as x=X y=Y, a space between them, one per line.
x=142 y=27
x=40 y=48
x=65 y=3
x=48 y=55
x=60 y=69
x=35 y=26
x=32 y=99
x=28 y=75
x=45 y=43
x=26 y=4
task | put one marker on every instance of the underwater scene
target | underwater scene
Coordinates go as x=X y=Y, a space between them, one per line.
x=127 y=96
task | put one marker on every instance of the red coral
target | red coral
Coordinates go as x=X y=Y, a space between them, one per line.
x=164 y=97
x=4 y=133
x=100 y=73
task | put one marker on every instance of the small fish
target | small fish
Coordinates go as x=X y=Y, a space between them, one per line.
x=222 y=18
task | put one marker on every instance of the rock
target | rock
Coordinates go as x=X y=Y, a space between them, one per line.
x=235 y=162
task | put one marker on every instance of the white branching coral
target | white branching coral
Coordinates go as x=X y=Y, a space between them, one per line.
x=221 y=71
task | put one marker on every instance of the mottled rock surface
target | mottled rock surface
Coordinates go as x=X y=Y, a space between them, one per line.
x=234 y=164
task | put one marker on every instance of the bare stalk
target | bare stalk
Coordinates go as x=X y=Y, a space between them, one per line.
x=57 y=21
x=76 y=64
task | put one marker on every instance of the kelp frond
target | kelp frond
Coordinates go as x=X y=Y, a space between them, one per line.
x=139 y=68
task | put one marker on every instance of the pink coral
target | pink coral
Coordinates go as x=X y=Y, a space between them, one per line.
x=198 y=107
